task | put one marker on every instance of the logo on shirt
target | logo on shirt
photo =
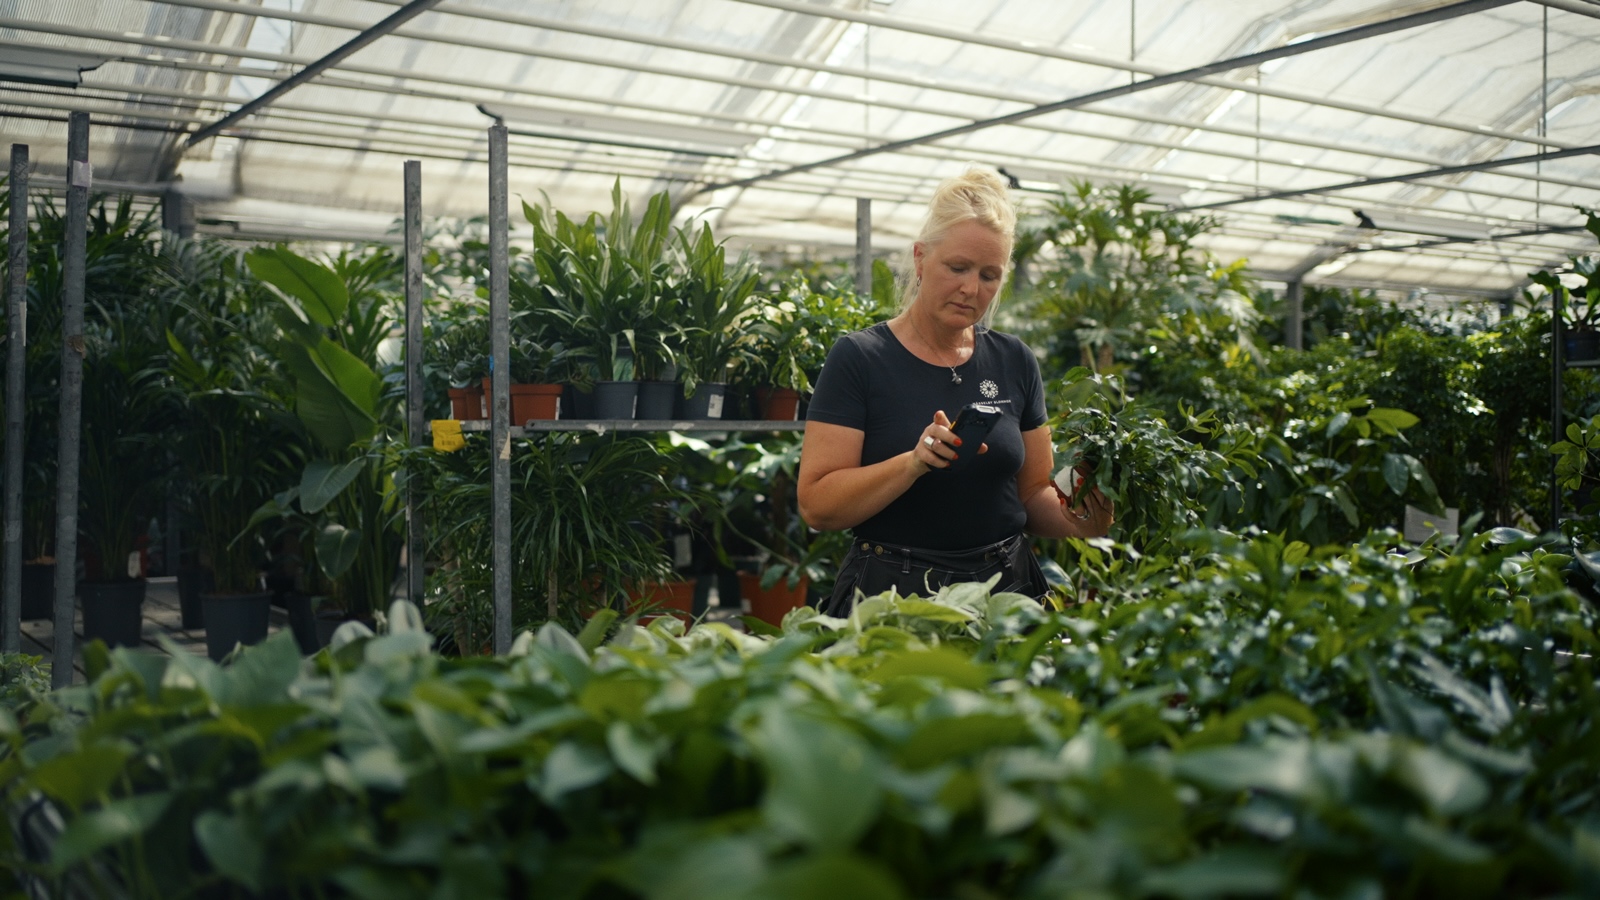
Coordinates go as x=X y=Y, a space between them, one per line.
x=989 y=389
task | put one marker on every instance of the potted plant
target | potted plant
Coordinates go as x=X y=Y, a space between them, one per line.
x=718 y=303
x=593 y=278
x=343 y=511
x=790 y=339
x=461 y=351
x=126 y=414
x=540 y=364
x=224 y=442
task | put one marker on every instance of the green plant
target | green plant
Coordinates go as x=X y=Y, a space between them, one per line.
x=24 y=678
x=1580 y=302
x=581 y=527
x=1578 y=470
x=1108 y=266
x=229 y=432
x=344 y=504
x=1243 y=716
x=602 y=285
x=794 y=328
x=718 y=304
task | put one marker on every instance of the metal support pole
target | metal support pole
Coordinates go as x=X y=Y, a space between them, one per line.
x=415 y=554
x=864 y=245
x=69 y=435
x=16 y=361
x=500 y=388
x=1558 y=337
x=1294 y=321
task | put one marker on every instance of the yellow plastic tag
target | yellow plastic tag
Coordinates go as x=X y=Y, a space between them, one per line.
x=447 y=435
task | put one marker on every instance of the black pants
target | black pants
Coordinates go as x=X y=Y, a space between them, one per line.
x=872 y=567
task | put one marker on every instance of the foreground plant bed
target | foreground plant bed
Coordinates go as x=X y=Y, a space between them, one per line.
x=965 y=745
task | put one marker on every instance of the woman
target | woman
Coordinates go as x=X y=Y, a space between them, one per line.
x=878 y=445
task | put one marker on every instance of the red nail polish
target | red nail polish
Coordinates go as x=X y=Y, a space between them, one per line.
x=958 y=442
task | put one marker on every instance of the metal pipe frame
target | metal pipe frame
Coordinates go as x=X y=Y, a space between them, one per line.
x=1361 y=32
x=1476 y=131
x=337 y=119
x=70 y=430
x=416 y=435
x=389 y=23
x=864 y=245
x=500 y=388
x=650 y=168
x=16 y=392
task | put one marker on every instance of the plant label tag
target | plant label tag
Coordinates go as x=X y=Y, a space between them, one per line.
x=135 y=570
x=1069 y=480
x=81 y=174
x=714 y=406
x=682 y=554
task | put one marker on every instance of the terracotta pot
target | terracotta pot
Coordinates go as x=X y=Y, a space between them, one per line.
x=466 y=403
x=778 y=404
x=771 y=604
x=675 y=598
x=534 y=401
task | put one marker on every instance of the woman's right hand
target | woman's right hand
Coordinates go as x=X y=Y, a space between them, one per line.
x=934 y=448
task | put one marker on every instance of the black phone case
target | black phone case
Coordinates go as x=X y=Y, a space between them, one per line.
x=973 y=423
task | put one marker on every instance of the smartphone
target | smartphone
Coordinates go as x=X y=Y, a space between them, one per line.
x=973 y=423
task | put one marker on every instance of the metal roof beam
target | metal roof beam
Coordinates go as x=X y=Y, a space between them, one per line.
x=1439 y=172
x=389 y=23
x=1360 y=32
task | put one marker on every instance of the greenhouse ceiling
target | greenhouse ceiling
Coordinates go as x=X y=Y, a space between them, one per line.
x=1434 y=145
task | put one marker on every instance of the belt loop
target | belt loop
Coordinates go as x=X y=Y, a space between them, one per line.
x=905 y=562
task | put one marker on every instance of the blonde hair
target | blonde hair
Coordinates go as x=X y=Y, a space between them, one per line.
x=976 y=195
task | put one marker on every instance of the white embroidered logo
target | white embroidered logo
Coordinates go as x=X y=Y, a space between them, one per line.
x=989 y=389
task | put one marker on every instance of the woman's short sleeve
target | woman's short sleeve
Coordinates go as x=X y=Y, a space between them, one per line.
x=840 y=397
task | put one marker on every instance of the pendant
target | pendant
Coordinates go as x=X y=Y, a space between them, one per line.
x=954 y=378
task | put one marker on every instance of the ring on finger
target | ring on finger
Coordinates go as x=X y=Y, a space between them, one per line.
x=927 y=440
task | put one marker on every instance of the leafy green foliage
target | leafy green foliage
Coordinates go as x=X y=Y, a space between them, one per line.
x=1251 y=717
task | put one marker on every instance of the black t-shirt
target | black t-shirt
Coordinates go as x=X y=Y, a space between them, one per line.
x=873 y=384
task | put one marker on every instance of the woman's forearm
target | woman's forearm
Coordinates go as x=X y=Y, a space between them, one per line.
x=844 y=498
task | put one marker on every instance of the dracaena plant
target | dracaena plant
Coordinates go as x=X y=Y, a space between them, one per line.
x=343 y=504
x=718 y=301
x=600 y=284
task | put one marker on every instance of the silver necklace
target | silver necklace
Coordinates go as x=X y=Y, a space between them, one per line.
x=955 y=377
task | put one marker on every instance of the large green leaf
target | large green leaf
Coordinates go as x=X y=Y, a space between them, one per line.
x=82 y=777
x=337 y=548
x=336 y=394
x=823 y=781
x=320 y=293
x=117 y=821
x=235 y=853
x=831 y=876
x=1396 y=474
x=323 y=480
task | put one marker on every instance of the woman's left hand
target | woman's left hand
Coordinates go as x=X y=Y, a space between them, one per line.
x=1093 y=516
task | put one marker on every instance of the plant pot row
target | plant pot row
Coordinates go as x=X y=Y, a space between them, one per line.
x=645 y=400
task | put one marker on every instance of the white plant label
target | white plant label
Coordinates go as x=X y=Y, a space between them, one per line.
x=714 y=406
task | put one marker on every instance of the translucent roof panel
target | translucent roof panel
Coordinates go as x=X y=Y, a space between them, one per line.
x=1359 y=142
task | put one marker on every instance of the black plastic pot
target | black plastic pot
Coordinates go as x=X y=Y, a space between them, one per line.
x=657 y=399
x=1581 y=346
x=708 y=402
x=234 y=619
x=113 y=611
x=301 y=622
x=615 y=399
x=38 y=591
x=192 y=582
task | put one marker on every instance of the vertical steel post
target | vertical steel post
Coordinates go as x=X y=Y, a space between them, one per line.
x=16 y=361
x=1294 y=321
x=1557 y=340
x=414 y=430
x=79 y=179
x=500 y=388
x=864 y=245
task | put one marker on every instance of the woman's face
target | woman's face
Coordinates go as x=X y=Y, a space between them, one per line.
x=960 y=273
